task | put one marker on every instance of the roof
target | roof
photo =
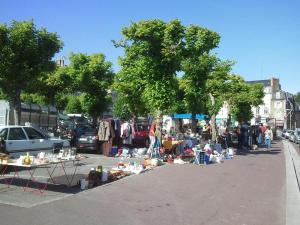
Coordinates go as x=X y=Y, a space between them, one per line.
x=266 y=83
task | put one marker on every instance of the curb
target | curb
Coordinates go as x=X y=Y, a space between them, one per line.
x=292 y=161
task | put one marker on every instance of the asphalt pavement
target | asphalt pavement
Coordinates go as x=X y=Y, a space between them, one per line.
x=247 y=190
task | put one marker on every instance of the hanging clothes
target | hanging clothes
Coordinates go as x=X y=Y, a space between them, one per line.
x=126 y=133
x=106 y=135
x=104 y=131
x=117 y=129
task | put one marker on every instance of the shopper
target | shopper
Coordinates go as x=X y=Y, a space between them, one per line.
x=226 y=139
x=2 y=145
x=152 y=135
x=260 y=135
x=268 y=137
x=239 y=136
x=245 y=136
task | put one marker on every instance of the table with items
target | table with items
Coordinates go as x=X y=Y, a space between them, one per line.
x=173 y=146
x=50 y=162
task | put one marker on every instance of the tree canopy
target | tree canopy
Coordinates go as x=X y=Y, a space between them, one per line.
x=167 y=67
x=25 y=56
x=197 y=63
x=148 y=69
x=297 y=97
x=81 y=87
x=91 y=78
x=243 y=97
x=157 y=51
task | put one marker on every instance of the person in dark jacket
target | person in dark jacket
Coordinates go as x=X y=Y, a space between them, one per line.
x=239 y=137
x=2 y=145
x=245 y=136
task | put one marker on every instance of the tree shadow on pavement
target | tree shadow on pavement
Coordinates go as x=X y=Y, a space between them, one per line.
x=38 y=185
x=272 y=151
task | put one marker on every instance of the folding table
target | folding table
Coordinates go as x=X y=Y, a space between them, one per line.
x=40 y=187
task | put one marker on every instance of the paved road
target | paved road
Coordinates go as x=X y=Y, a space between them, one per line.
x=248 y=190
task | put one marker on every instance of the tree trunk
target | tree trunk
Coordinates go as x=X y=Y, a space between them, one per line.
x=228 y=124
x=158 y=125
x=194 y=123
x=16 y=105
x=213 y=120
x=181 y=125
x=213 y=128
x=94 y=120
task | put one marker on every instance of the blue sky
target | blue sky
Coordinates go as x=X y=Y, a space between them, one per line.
x=262 y=37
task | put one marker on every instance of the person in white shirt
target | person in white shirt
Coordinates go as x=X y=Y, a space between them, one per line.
x=268 y=137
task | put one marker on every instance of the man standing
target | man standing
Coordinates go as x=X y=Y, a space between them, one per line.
x=245 y=136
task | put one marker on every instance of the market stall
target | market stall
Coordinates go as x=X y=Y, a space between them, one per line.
x=30 y=164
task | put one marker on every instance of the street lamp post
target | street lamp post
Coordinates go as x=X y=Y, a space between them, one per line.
x=289 y=114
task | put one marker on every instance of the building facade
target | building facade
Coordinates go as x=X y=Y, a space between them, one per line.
x=279 y=108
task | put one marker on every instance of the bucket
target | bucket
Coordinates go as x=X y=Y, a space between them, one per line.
x=114 y=150
x=84 y=184
x=207 y=159
x=104 y=176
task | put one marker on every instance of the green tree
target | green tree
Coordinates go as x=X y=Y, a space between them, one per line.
x=61 y=101
x=243 y=97
x=148 y=69
x=196 y=64
x=225 y=87
x=25 y=56
x=74 y=104
x=121 y=108
x=297 y=97
x=91 y=77
x=33 y=98
x=55 y=83
x=217 y=89
x=50 y=88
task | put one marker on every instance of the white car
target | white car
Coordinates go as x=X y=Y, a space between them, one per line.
x=22 y=139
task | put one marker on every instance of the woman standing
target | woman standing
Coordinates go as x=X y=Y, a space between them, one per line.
x=268 y=138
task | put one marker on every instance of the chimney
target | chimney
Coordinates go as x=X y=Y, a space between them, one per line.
x=274 y=84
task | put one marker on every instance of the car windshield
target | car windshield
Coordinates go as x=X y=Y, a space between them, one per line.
x=44 y=132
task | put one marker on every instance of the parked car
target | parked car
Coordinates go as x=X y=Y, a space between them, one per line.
x=287 y=134
x=87 y=138
x=141 y=136
x=292 y=136
x=22 y=139
x=283 y=133
x=297 y=137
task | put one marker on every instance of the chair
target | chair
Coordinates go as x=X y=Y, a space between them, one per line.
x=154 y=153
x=199 y=156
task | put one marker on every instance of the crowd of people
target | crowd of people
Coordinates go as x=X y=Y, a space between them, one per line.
x=253 y=137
